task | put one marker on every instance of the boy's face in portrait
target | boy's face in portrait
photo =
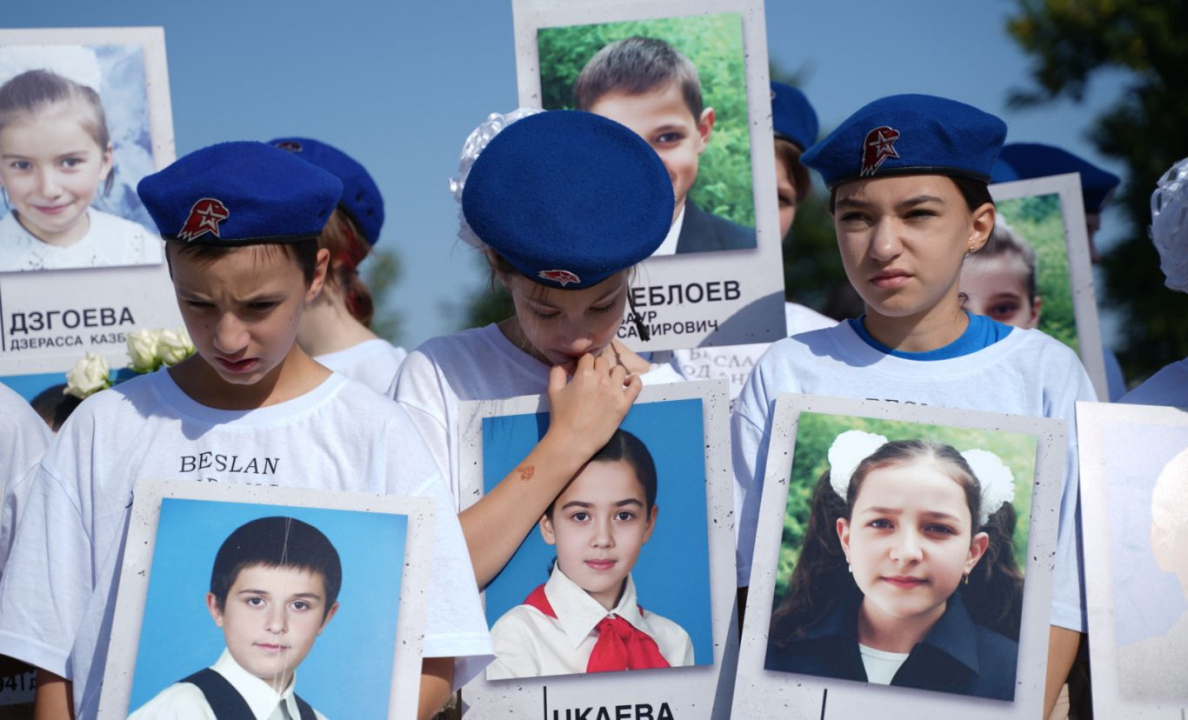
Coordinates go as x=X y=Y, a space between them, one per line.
x=909 y=541
x=1169 y=526
x=599 y=524
x=270 y=619
x=997 y=287
x=664 y=119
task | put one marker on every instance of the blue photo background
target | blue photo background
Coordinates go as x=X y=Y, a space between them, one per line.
x=348 y=672
x=672 y=573
x=124 y=95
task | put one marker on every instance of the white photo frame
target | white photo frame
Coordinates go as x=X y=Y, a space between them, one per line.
x=702 y=690
x=739 y=293
x=1080 y=271
x=141 y=546
x=757 y=689
x=51 y=317
x=1131 y=600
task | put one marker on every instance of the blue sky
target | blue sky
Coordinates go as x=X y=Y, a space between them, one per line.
x=399 y=84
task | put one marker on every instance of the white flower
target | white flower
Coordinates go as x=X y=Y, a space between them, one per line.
x=996 y=479
x=88 y=376
x=174 y=346
x=848 y=450
x=142 y=350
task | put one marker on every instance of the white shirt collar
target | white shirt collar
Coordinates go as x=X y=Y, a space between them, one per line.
x=578 y=613
x=669 y=246
x=259 y=695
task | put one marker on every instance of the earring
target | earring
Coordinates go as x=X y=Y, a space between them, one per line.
x=965 y=578
x=849 y=568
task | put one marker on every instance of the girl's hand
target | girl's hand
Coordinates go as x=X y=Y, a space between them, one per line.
x=587 y=410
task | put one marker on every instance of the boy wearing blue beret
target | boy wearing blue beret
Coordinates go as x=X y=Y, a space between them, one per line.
x=908 y=179
x=241 y=222
x=645 y=84
x=336 y=326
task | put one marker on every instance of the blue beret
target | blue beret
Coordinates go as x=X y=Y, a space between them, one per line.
x=569 y=198
x=792 y=116
x=909 y=135
x=239 y=193
x=1024 y=161
x=360 y=195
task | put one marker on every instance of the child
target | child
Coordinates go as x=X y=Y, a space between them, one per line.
x=1024 y=161
x=336 y=326
x=587 y=617
x=563 y=204
x=241 y=222
x=999 y=280
x=275 y=578
x=1158 y=666
x=795 y=124
x=908 y=180
x=651 y=88
x=55 y=152
x=1169 y=232
x=907 y=575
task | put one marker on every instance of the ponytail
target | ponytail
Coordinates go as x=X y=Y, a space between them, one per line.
x=994 y=595
x=342 y=238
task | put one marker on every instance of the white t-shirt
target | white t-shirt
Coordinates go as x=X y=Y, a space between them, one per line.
x=734 y=362
x=477 y=364
x=529 y=643
x=372 y=362
x=669 y=246
x=110 y=241
x=1167 y=387
x=184 y=701
x=23 y=438
x=881 y=665
x=58 y=590
x=1025 y=373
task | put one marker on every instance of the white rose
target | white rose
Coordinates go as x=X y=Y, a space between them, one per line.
x=88 y=376
x=174 y=346
x=142 y=350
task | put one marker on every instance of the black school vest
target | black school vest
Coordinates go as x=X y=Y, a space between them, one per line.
x=226 y=702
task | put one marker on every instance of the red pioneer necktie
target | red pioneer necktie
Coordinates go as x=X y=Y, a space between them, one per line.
x=620 y=645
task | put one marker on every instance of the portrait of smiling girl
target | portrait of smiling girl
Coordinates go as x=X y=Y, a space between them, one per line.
x=56 y=162
x=907 y=574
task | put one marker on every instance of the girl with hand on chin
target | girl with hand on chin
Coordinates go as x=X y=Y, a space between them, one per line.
x=562 y=204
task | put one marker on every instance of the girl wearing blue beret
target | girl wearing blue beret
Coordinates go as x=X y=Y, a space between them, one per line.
x=336 y=325
x=563 y=204
x=908 y=180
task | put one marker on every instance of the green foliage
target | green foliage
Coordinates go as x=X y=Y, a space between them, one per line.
x=714 y=44
x=1039 y=220
x=816 y=432
x=487 y=305
x=381 y=272
x=1072 y=42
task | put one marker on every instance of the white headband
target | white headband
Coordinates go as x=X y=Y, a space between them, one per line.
x=476 y=142
x=853 y=446
x=1169 y=225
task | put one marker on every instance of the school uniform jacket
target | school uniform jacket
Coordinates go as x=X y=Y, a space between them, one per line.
x=185 y=699
x=703 y=232
x=957 y=655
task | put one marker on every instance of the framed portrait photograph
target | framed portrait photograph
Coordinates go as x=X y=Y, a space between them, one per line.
x=898 y=562
x=691 y=79
x=621 y=596
x=1035 y=272
x=84 y=116
x=1134 y=503
x=242 y=599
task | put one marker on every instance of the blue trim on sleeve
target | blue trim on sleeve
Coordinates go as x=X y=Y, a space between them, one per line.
x=981 y=333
